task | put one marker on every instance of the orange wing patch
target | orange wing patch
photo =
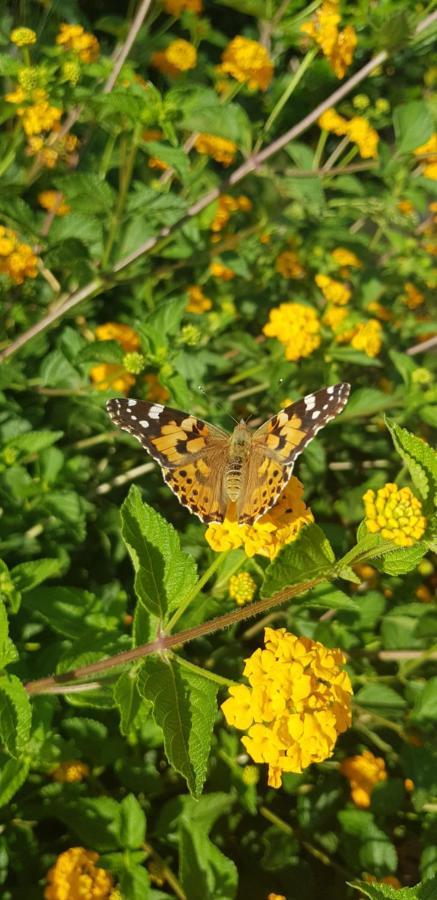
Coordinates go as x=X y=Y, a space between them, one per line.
x=198 y=486
x=283 y=434
x=266 y=480
x=176 y=440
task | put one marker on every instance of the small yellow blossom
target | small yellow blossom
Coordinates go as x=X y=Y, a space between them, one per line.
x=53 y=201
x=248 y=62
x=367 y=336
x=250 y=775
x=334 y=316
x=176 y=7
x=429 y=151
x=334 y=291
x=405 y=207
x=242 y=588
x=413 y=297
x=388 y=879
x=379 y=310
x=272 y=896
x=39 y=117
x=123 y=334
x=220 y=149
x=23 y=37
x=156 y=392
x=337 y=46
x=178 y=57
x=69 y=771
x=197 y=301
x=344 y=257
x=424 y=594
x=408 y=785
x=297 y=327
x=134 y=362
x=298 y=702
x=288 y=265
x=50 y=149
x=395 y=513
x=364 y=136
x=226 y=205
x=79 y=41
x=279 y=526
x=330 y=120
x=156 y=163
x=112 y=376
x=75 y=876
x=17 y=260
x=218 y=270
x=363 y=772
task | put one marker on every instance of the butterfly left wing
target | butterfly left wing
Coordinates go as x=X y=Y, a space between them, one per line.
x=278 y=443
x=192 y=453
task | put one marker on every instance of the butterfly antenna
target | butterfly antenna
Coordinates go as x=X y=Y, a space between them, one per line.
x=218 y=403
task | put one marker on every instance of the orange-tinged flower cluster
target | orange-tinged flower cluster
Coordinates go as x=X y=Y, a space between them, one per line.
x=297 y=327
x=429 y=152
x=297 y=703
x=388 y=879
x=277 y=527
x=53 y=201
x=344 y=257
x=219 y=148
x=39 y=116
x=79 y=41
x=156 y=163
x=178 y=57
x=356 y=129
x=242 y=588
x=363 y=773
x=412 y=297
x=75 y=876
x=337 y=46
x=197 y=301
x=289 y=265
x=70 y=770
x=17 y=260
x=248 y=62
x=334 y=291
x=110 y=376
x=218 y=270
x=156 y=392
x=176 y=7
x=226 y=205
x=395 y=513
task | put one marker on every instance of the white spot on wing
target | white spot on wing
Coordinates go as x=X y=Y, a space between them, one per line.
x=310 y=402
x=316 y=414
x=155 y=411
x=131 y=402
x=144 y=423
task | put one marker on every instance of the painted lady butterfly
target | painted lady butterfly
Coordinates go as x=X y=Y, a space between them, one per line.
x=217 y=475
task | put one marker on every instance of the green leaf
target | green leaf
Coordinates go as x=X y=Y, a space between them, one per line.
x=420 y=459
x=28 y=575
x=131 y=823
x=13 y=773
x=364 y=842
x=34 y=441
x=93 y=819
x=325 y=596
x=127 y=699
x=406 y=559
x=413 y=124
x=308 y=557
x=205 y=872
x=65 y=609
x=175 y=157
x=380 y=698
x=8 y=650
x=57 y=371
x=184 y=706
x=102 y=351
x=356 y=357
x=425 y=709
x=15 y=715
x=426 y=890
x=87 y=192
x=134 y=883
x=163 y=573
x=366 y=402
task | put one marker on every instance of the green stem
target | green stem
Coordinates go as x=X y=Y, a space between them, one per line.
x=288 y=829
x=204 y=673
x=126 y=171
x=409 y=667
x=196 y=590
x=318 y=153
x=10 y=154
x=291 y=87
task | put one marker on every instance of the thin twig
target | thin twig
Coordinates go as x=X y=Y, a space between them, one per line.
x=423 y=346
x=125 y=477
x=137 y=22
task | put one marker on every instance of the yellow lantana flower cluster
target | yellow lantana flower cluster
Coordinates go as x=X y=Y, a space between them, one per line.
x=337 y=46
x=39 y=116
x=356 y=129
x=344 y=257
x=178 y=57
x=70 y=770
x=218 y=270
x=367 y=337
x=53 y=201
x=395 y=513
x=23 y=37
x=176 y=7
x=156 y=392
x=363 y=773
x=75 y=875
x=226 y=205
x=298 y=702
x=277 y=527
x=108 y=376
x=297 y=327
x=413 y=297
x=334 y=291
x=242 y=588
x=17 y=260
x=429 y=151
x=219 y=148
x=288 y=265
x=197 y=301
x=248 y=62
x=79 y=41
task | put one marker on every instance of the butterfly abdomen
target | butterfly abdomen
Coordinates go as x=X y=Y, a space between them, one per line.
x=235 y=472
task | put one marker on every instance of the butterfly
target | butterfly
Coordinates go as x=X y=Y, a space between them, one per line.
x=218 y=475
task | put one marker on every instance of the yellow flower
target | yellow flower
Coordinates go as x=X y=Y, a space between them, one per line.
x=279 y=526
x=331 y=121
x=388 y=879
x=39 y=117
x=413 y=297
x=379 y=310
x=53 y=201
x=344 y=257
x=297 y=327
x=75 y=876
x=176 y=7
x=395 y=513
x=367 y=336
x=248 y=62
x=405 y=207
x=226 y=205
x=430 y=164
x=69 y=771
x=123 y=334
x=272 y=896
x=361 y=133
x=220 y=149
x=23 y=37
x=111 y=376
x=298 y=702
x=197 y=302
x=334 y=316
x=218 y=270
x=242 y=588
x=337 y=46
x=178 y=57
x=363 y=772
x=50 y=149
x=79 y=41
x=408 y=785
x=156 y=392
x=289 y=265
x=17 y=260
x=333 y=290
x=156 y=163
